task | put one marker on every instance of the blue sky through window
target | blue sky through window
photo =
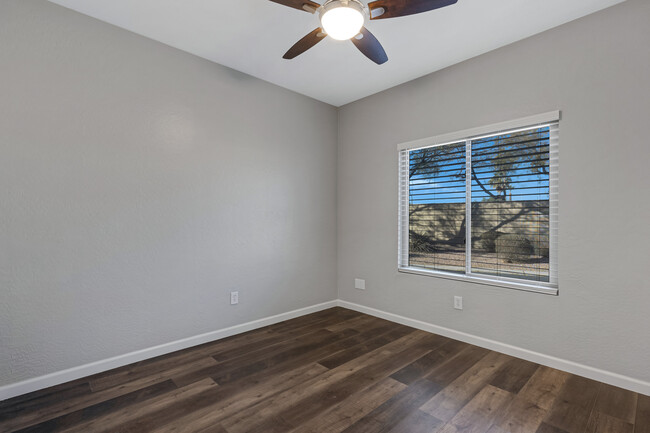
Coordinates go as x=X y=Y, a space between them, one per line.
x=507 y=167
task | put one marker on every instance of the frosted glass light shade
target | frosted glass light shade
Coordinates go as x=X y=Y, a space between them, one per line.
x=342 y=22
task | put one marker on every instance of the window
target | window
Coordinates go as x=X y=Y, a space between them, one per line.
x=481 y=205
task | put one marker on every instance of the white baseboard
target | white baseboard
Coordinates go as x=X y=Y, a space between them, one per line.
x=608 y=377
x=59 y=377
x=56 y=378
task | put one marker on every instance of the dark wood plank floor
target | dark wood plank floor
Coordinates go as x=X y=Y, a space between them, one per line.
x=333 y=371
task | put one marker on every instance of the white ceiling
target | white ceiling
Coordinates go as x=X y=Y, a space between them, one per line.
x=252 y=35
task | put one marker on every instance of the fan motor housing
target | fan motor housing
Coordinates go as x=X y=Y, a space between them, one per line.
x=333 y=4
x=342 y=19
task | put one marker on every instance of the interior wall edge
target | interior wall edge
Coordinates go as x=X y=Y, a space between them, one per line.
x=56 y=378
x=572 y=367
x=59 y=377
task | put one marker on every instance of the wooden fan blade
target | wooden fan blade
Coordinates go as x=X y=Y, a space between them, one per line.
x=305 y=43
x=368 y=44
x=400 y=8
x=299 y=4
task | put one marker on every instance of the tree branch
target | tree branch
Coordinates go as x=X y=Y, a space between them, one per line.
x=496 y=197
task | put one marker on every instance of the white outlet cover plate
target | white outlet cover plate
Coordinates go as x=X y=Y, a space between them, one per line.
x=359 y=284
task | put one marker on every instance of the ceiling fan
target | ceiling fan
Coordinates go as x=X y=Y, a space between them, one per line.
x=344 y=19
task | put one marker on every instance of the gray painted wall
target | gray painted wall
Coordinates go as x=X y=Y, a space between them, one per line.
x=597 y=71
x=140 y=185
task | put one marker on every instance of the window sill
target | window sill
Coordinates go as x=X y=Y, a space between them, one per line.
x=546 y=289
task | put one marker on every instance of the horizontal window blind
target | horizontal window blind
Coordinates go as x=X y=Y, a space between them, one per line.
x=484 y=207
x=510 y=205
x=437 y=197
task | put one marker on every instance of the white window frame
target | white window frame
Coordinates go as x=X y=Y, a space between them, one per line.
x=551 y=120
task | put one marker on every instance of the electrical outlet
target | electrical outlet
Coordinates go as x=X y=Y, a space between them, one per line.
x=234 y=298
x=458 y=302
x=359 y=284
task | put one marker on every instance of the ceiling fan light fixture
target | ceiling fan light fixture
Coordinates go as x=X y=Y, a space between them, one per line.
x=342 y=19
